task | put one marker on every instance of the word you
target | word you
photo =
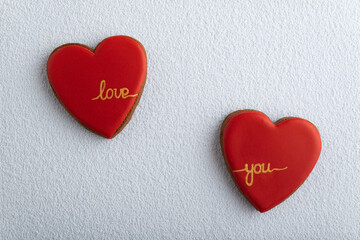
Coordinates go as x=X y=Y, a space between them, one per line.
x=258 y=168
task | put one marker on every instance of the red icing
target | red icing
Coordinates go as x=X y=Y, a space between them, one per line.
x=75 y=73
x=249 y=137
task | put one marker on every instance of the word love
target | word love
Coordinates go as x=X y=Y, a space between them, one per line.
x=256 y=169
x=112 y=92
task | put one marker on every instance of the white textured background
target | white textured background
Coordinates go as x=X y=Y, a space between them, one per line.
x=164 y=176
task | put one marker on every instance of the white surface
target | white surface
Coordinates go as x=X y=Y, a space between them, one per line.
x=164 y=176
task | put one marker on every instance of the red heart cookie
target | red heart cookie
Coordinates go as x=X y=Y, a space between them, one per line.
x=268 y=161
x=100 y=87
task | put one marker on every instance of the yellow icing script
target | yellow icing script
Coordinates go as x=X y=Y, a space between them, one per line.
x=256 y=169
x=112 y=92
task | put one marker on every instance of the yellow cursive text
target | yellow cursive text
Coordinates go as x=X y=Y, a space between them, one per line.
x=257 y=168
x=112 y=92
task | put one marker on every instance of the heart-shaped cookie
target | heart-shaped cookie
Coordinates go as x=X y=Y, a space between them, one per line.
x=100 y=87
x=268 y=161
